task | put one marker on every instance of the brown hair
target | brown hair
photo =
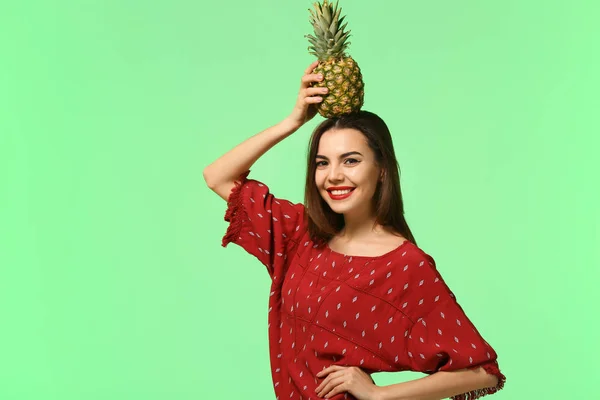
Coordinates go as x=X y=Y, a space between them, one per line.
x=323 y=222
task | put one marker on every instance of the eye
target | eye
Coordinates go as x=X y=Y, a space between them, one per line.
x=323 y=163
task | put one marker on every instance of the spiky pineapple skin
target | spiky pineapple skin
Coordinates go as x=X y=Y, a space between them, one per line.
x=343 y=78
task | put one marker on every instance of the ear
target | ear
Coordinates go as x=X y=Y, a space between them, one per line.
x=381 y=175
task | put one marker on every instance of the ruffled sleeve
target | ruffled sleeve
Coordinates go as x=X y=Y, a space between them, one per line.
x=265 y=226
x=444 y=339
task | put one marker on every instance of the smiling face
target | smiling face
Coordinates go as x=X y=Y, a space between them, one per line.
x=345 y=161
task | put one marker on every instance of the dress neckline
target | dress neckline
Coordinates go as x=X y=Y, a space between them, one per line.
x=401 y=245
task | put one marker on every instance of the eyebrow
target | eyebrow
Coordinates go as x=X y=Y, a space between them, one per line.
x=341 y=156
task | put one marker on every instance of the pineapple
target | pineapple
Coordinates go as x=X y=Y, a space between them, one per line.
x=341 y=74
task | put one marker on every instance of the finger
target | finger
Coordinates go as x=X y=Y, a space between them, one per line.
x=330 y=377
x=312 y=77
x=326 y=380
x=307 y=79
x=313 y=99
x=329 y=369
x=332 y=385
x=315 y=91
x=336 y=390
x=311 y=67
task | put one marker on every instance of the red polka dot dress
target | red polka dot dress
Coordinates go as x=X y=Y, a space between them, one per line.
x=387 y=313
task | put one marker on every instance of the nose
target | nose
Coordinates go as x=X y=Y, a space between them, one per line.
x=335 y=173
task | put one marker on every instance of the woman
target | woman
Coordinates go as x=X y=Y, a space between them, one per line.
x=351 y=292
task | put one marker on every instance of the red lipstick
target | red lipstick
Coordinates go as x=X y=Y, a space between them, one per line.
x=342 y=196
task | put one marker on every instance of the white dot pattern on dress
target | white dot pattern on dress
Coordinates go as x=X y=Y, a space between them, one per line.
x=373 y=290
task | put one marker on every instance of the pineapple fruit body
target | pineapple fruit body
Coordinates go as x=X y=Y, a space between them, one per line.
x=346 y=88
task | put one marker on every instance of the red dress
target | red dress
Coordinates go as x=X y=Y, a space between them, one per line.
x=389 y=313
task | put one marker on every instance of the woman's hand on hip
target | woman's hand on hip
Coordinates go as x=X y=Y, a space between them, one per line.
x=340 y=379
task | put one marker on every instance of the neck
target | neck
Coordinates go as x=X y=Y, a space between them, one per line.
x=359 y=227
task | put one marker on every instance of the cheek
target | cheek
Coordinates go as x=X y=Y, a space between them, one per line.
x=358 y=176
x=318 y=177
x=319 y=180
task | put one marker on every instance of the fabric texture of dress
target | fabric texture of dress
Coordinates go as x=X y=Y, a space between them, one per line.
x=388 y=313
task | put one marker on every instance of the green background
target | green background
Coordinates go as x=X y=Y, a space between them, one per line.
x=113 y=281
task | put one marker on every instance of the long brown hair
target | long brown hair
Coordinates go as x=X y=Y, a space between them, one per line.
x=323 y=222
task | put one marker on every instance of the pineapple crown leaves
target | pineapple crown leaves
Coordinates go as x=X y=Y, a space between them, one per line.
x=329 y=40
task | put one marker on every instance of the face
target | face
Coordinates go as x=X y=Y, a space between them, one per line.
x=345 y=161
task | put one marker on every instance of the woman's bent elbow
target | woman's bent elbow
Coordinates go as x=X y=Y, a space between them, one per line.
x=207 y=178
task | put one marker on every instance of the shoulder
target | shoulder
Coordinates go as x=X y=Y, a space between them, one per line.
x=425 y=266
x=408 y=255
x=417 y=269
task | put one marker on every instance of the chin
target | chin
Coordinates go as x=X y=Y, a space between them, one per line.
x=338 y=208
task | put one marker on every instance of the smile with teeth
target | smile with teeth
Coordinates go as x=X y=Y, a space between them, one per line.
x=340 y=194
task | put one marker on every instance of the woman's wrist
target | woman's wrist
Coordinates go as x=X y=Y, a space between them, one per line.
x=290 y=125
x=379 y=393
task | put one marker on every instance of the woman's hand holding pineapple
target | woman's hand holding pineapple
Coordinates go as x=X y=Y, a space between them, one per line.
x=308 y=96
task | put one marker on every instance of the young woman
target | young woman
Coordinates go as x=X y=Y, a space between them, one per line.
x=352 y=293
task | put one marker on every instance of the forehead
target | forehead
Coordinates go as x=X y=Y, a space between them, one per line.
x=337 y=141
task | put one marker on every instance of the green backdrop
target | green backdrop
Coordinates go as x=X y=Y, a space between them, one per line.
x=113 y=281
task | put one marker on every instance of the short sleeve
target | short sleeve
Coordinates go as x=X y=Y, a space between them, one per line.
x=265 y=226
x=445 y=340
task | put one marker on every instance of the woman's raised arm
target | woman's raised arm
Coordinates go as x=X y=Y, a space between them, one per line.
x=222 y=173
